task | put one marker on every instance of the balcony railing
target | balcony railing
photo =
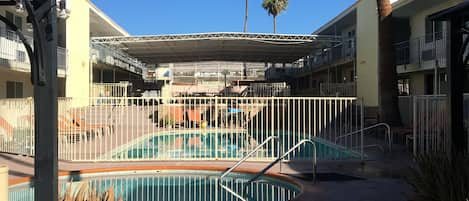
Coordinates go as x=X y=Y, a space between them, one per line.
x=115 y=57
x=14 y=55
x=280 y=89
x=342 y=52
x=422 y=51
x=338 y=89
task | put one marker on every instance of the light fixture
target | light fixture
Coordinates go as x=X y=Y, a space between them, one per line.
x=19 y=6
x=63 y=14
x=64 y=11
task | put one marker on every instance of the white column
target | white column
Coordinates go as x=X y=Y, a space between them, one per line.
x=3 y=182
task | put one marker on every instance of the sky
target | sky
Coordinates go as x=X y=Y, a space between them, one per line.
x=153 y=17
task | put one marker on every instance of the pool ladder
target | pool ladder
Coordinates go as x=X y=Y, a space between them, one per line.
x=272 y=164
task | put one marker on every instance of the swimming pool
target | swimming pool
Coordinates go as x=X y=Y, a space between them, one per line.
x=171 y=185
x=209 y=145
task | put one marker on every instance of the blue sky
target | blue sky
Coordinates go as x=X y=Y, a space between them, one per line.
x=145 y=17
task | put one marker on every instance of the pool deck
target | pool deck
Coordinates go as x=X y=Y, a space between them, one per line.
x=353 y=181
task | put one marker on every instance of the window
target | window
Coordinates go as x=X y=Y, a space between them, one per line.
x=404 y=87
x=14 y=89
x=20 y=56
x=19 y=22
x=433 y=30
x=16 y=19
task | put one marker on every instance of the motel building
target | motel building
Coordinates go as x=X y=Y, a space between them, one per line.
x=235 y=97
x=84 y=69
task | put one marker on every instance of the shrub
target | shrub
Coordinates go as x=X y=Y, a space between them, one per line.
x=87 y=193
x=437 y=178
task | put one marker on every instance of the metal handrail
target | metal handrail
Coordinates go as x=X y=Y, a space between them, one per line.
x=281 y=158
x=388 y=133
x=239 y=163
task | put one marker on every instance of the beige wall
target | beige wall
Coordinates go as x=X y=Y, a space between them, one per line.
x=417 y=22
x=10 y=75
x=417 y=83
x=367 y=52
x=78 y=45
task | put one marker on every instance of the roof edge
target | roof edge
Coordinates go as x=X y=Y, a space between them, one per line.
x=103 y=15
x=337 y=18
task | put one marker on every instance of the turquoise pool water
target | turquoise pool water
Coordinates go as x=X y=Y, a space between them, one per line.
x=226 y=145
x=172 y=186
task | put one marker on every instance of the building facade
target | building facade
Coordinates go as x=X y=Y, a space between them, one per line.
x=350 y=67
x=80 y=64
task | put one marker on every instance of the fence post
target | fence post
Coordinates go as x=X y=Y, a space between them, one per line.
x=216 y=127
x=272 y=121
x=31 y=129
x=414 y=122
x=3 y=182
x=362 y=121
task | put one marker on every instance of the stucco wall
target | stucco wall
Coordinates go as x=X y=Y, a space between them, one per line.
x=78 y=44
x=10 y=75
x=417 y=21
x=417 y=83
x=367 y=52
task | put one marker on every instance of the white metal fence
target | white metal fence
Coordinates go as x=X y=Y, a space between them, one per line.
x=16 y=133
x=110 y=89
x=430 y=123
x=338 y=89
x=212 y=128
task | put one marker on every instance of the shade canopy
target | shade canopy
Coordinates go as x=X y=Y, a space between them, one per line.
x=240 y=47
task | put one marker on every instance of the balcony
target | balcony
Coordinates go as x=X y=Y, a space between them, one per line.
x=421 y=53
x=115 y=57
x=338 y=54
x=13 y=54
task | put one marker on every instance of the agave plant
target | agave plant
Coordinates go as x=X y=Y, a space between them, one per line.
x=437 y=178
x=87 y=193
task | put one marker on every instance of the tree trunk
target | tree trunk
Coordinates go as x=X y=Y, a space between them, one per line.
x=387 y=73
x=245 y=73
x=275 y=23
x=246 y=17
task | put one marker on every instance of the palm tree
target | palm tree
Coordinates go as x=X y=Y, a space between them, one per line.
x=387 y=84
x=246 y=17
x=274 y=8
x=245 y=70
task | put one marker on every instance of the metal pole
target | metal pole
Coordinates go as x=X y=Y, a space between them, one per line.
x=456 y=81
x=43 y=15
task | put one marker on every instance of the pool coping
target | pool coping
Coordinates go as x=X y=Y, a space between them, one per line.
x=13 y=182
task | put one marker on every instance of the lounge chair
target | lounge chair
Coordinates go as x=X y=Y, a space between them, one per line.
x=6 y=130
x=97 y=129
x=69 y=131
x=195 y=117
x=173 y=115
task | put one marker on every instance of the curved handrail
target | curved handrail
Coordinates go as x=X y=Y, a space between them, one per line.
x=239 y=163
x=282 y=157
x=388 y=133
x=248 y=156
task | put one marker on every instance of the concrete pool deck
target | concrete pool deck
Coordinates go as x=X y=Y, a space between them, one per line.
x=339 y=180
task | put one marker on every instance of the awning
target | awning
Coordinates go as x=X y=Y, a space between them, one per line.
x=241 y=47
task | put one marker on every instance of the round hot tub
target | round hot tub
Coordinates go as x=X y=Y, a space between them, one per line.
x=170 y=185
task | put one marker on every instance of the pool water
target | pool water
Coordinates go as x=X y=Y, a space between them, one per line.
x=173 y=186
x=210 y=145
